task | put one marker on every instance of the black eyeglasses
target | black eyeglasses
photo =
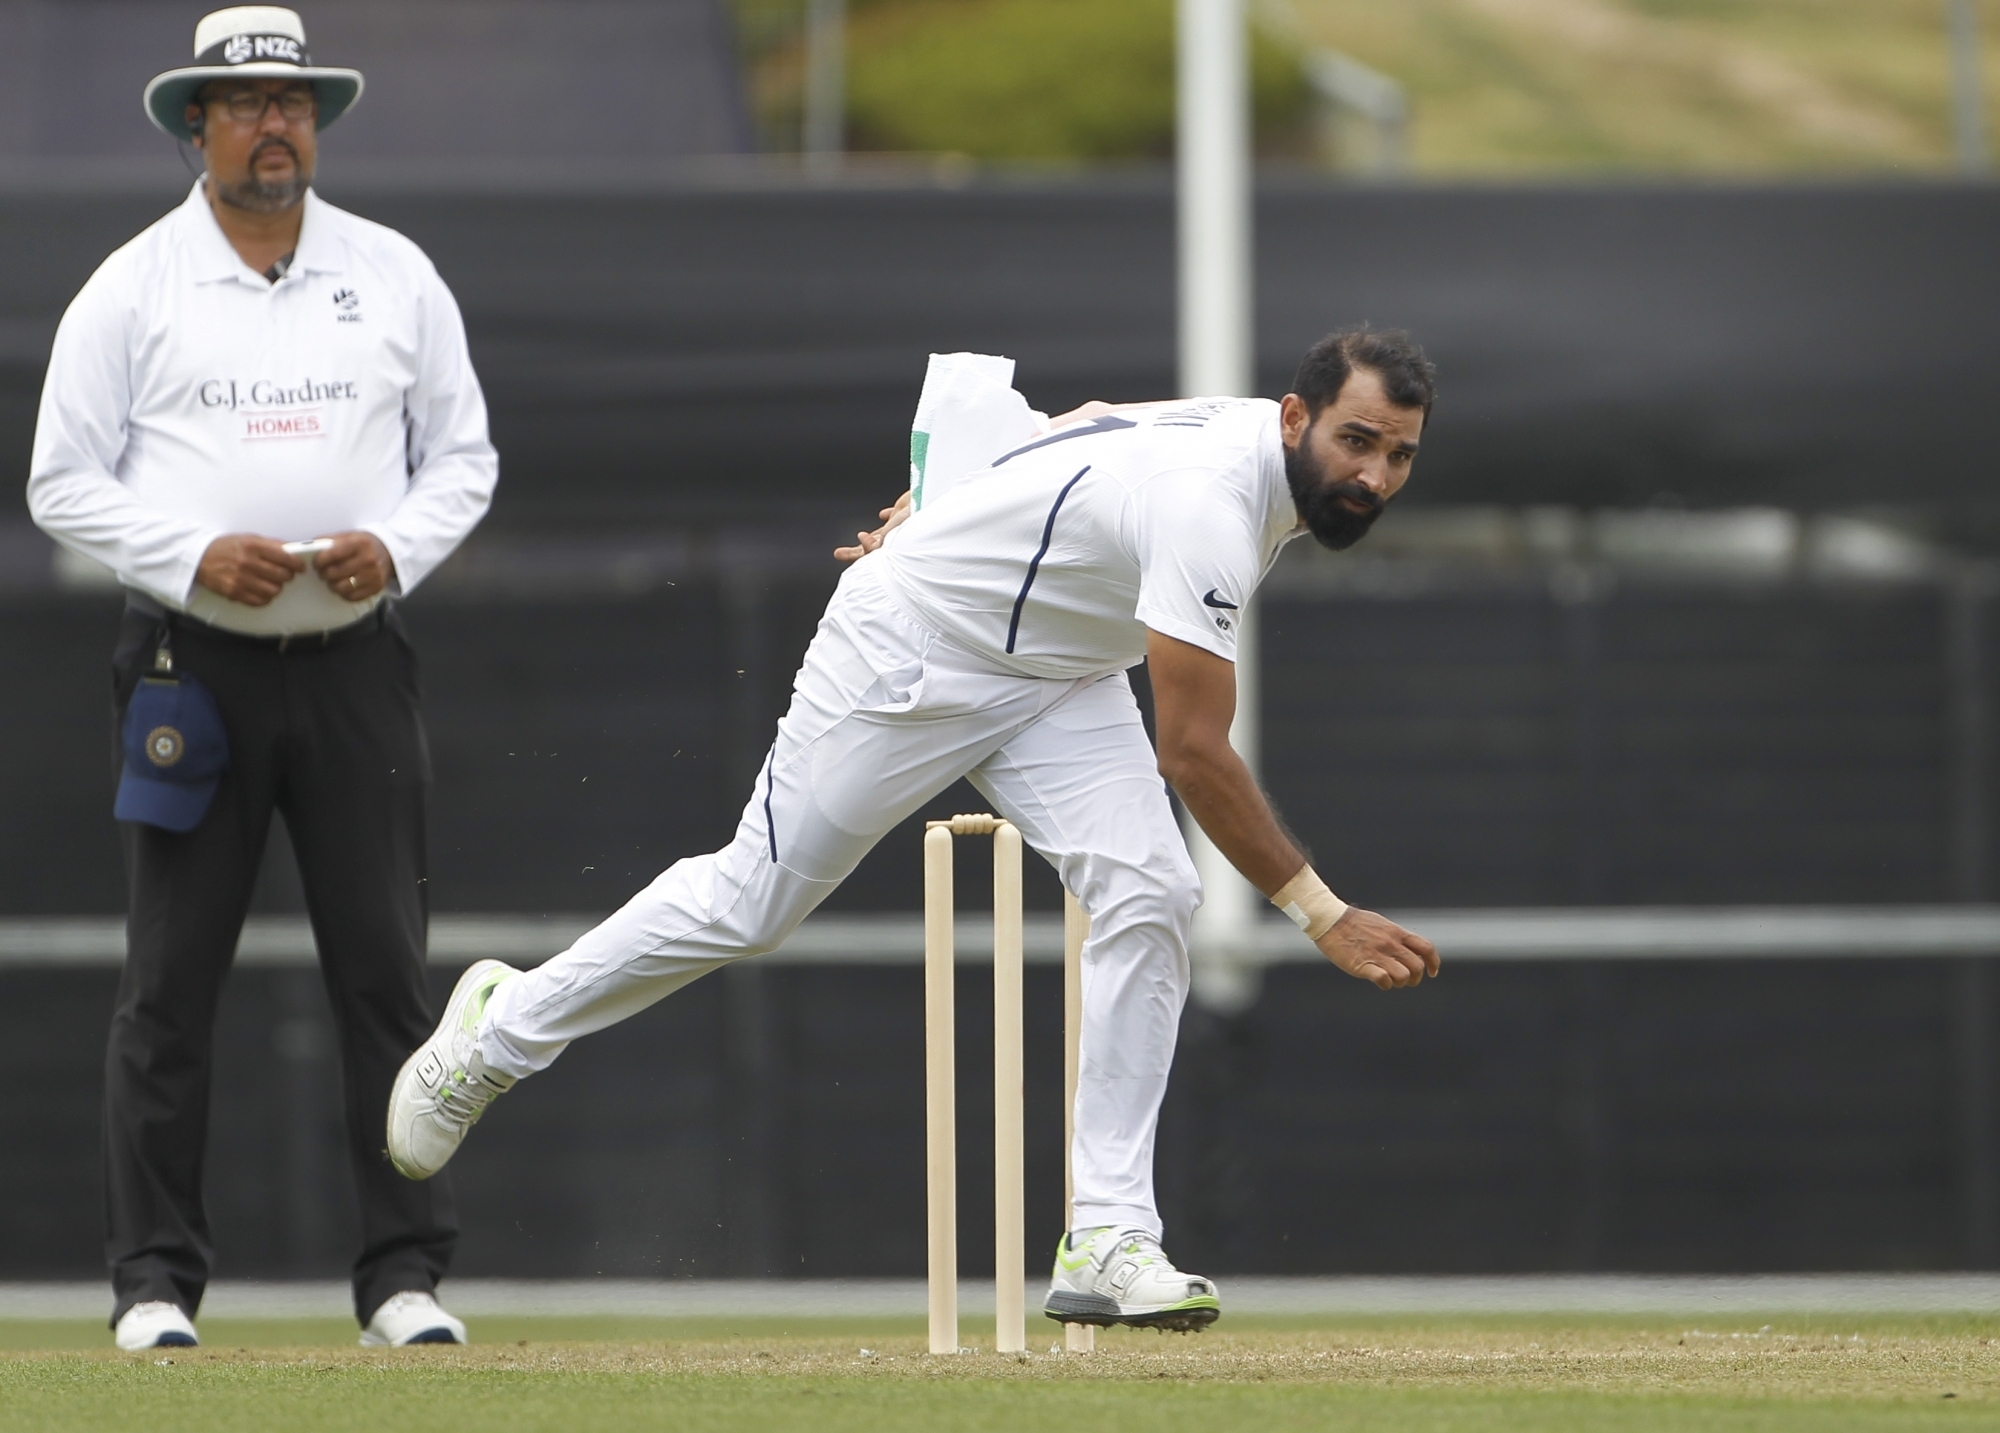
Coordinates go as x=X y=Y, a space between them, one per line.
x=249 y=106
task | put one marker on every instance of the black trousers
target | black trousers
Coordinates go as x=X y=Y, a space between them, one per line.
x=330 y=734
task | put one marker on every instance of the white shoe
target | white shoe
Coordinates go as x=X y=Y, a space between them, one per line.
x=408 y=1318
x=445 y=1086
x=158 y=1324
x=1121 y=1275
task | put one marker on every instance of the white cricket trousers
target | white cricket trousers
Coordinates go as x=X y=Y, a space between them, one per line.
x=884 y=716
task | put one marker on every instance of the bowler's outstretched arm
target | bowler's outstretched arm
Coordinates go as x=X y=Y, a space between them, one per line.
x=1194 y=702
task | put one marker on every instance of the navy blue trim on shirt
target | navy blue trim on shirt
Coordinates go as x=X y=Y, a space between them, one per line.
x=1048 y=533
x=1109 y=423
x=770 y=776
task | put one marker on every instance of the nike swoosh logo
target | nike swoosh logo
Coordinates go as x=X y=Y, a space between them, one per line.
x=1211 y=600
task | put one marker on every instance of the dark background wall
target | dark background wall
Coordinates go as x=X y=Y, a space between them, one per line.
x=1670 y=1116
x=1497 y=743
x=1501 y=743
x=695 y=391
x=1709 y=346
x=751 y=348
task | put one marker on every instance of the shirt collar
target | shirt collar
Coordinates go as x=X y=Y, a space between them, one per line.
x=1282 y=522
x=215 y=259
x=320 y=250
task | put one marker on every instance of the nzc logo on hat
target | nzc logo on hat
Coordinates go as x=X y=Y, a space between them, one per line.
x=268 y=41
x=175 y=753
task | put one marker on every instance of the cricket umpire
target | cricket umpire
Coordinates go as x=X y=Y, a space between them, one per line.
x=261 y=415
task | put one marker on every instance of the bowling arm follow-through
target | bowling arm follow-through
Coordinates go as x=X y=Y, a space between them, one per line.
x=1194 y=702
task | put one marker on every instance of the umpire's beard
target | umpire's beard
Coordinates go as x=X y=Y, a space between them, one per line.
x=1319 y=500
x=258 y=196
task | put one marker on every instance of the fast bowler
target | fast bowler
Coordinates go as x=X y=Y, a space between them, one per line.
x=987 y=636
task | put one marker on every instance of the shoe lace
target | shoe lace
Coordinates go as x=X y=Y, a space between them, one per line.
x=464 y=1096
x=1144 y=1248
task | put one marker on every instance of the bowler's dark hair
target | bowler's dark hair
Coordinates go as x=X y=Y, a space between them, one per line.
x=1409 y=380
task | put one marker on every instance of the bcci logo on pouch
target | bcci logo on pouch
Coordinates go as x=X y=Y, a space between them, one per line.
x=164 y=746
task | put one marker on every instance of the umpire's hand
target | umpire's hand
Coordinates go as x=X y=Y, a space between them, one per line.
x=248 y=569
x=357 y=566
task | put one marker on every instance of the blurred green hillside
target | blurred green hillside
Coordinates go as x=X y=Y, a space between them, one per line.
x=1013 y=79
x=1719 y=86
x=1497 y=87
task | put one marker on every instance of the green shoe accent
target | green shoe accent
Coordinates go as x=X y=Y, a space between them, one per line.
x=1063 y=1260
x=475 y=1004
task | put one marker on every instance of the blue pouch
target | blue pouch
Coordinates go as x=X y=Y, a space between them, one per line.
x=175 y=750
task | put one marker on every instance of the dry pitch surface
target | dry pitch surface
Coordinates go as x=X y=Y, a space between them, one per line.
x=1268 y=1375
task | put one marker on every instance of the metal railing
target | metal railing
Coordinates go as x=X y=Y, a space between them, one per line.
x=1563 y=933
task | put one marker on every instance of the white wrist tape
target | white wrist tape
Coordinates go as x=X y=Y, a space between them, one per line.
x=1310 y=905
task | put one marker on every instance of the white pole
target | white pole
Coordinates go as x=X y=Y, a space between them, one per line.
x=1213 y=174
x=825 y=123
x=1968 y=90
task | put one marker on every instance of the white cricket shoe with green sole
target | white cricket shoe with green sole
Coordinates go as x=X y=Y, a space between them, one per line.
x=1121 y=1275
x=446 y=1086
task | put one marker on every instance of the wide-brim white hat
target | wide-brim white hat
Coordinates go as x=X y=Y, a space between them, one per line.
x=248 y=42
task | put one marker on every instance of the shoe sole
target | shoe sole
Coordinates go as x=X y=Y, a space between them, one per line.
x=165 y=1340
x=436 y=1335
x=1189 y=1316
x=454 y=1009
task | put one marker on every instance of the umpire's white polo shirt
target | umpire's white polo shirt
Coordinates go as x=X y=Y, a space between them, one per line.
x=189 y=397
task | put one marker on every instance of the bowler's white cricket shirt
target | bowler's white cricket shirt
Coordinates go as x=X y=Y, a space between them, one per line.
x=1056 y=561
x=188 y=397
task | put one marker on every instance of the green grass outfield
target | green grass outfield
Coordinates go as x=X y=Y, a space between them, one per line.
x=1271 y=1375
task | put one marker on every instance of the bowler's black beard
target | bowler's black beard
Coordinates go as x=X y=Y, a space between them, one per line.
x=1319 y=500
x=257 y=196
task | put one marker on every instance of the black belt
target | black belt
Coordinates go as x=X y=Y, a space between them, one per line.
x=368 y=626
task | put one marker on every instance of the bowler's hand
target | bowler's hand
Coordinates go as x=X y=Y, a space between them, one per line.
x=1373 y=948
x=867 y=542
x=357 y=566
x=247 y=568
